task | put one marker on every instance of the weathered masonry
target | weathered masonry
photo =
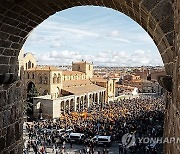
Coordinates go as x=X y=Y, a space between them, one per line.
x=160 y=19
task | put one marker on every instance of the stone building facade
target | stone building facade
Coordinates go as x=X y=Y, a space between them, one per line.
x=159 y=18
x=63 y=92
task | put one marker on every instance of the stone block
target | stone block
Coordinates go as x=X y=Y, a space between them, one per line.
x=162 y=11
x=4 y=43
x=2 y=143
x=10 y=135
x=149 y=5
x=6 y=118
x=3 y=99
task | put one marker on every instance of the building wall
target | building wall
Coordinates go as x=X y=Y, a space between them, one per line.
x=41 y=83
x=110 y=88
x=56 y=82
x=46 y=107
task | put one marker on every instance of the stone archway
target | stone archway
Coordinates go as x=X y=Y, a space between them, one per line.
x=20 y=17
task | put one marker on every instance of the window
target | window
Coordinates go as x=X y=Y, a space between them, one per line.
x=89 y=67
x=29 y=64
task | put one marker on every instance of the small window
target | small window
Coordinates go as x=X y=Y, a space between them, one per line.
x=29 y=64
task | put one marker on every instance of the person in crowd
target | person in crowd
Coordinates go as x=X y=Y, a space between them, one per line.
x=143 y=116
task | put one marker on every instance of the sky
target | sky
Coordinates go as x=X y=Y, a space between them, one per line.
x=95 y=34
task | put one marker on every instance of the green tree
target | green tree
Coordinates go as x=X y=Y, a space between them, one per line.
x=28 y=107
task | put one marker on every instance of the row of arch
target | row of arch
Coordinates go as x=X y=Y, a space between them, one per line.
x=82 y=103
x=57 y=77
x=29 y=65
x=41 y=78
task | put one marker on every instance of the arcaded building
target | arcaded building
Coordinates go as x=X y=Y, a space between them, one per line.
x=62 y=91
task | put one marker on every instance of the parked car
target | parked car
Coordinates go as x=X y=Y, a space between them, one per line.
x=61 y=131
x=76 y=137
x=102 y=140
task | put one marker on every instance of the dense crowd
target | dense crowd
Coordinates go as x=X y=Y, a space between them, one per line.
x=143 y=116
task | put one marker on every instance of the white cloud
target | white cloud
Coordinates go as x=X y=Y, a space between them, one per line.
x=59 y=37
x=113 y=33
x=109 y=58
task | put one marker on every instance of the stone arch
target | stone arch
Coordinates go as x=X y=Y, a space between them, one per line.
x=85 y=101
x=20 y=17
x=96 y=97
x=62 y=106
x=67 y=106
x=72 y=105
x=30 y=85
x=78 y=104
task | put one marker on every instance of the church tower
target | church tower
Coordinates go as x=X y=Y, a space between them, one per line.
x=84 y=67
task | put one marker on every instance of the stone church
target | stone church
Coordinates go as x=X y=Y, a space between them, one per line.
x=62 y=91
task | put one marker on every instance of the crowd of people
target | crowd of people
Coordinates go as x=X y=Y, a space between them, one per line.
x=143 y=116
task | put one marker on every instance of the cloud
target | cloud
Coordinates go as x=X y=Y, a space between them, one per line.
x=92 y=34
x=108 y=58
x=113 y=33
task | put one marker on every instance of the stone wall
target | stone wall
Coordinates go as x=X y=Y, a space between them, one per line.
x=11 y=118
x=172 y=121
x=19 y=17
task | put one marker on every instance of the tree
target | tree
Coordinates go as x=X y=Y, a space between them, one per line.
x=28 y=106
